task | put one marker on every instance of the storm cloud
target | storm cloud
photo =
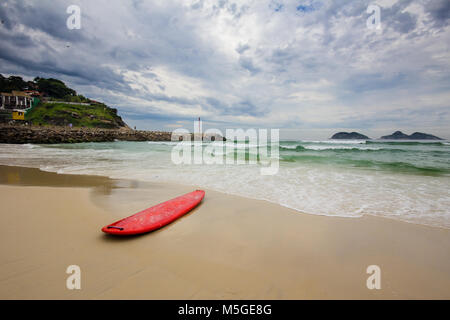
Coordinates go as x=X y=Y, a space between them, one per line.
x=272 y=63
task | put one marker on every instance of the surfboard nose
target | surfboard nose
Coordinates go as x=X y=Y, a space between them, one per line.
x=202 y=192
x=112 y=229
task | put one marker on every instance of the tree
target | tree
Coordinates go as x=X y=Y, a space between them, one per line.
x=12 y=83
x=54 y=88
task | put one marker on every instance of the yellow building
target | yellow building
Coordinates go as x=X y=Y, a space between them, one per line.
x=18 y=115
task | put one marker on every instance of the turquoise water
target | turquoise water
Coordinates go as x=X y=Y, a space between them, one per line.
x=405 y=180
x=426 y=158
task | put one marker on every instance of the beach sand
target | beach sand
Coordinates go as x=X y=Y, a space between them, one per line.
x=227 y=248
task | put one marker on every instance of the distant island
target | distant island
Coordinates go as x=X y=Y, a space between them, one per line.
x=398 y=135
x=349 y=136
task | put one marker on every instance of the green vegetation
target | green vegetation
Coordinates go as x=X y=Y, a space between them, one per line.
x=14 y=83
x=65 y=108
x=54 y=88
x=50 y=87
x=62 y=114
x=78 y=98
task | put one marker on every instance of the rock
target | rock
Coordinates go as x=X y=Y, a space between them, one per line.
x=61 y=134
x=350 y=136
x=423 y=136
x=398 y=135
x=75 y=115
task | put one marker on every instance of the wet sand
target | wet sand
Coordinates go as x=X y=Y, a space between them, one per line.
x=227 y=248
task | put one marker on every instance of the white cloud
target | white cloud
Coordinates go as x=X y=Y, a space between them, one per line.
x=249 y=62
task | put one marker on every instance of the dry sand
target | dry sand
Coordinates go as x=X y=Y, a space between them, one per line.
x=227 y=248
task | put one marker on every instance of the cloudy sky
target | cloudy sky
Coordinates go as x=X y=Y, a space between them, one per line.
x=310 y=67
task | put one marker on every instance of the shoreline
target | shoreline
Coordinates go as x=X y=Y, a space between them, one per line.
x=227 y=248
x=189 y=187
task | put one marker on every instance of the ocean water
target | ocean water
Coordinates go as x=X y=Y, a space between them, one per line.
x=404 y=180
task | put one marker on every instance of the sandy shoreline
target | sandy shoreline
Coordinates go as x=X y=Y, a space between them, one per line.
x=228 y=247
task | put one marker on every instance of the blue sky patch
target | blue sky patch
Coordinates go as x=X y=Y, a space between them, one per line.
x=306 y=8
x=276 y=6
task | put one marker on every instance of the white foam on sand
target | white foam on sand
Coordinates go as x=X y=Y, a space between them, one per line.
x=306 y=187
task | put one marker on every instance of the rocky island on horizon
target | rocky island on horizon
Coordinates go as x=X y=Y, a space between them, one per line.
x=349 y=136
x=398 y=135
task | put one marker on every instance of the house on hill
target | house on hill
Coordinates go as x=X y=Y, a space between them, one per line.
x=34 y=93
x=16 y=100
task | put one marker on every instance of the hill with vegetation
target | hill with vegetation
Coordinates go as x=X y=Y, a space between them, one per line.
x=15 y=83
x=50 y=87
x=63 y=114
x=62 y=106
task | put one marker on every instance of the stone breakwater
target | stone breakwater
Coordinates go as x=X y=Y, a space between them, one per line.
x=43 y=135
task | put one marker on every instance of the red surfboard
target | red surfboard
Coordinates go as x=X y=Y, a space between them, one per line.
x=156 y=217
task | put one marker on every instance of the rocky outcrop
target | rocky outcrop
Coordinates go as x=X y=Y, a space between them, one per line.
x=423 y=136
x=44 y=135
x=349 y=136
x=398 y=135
